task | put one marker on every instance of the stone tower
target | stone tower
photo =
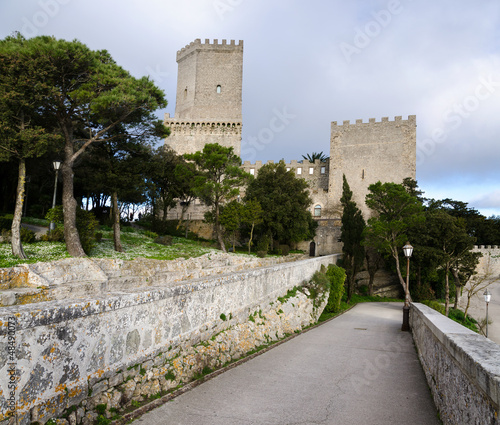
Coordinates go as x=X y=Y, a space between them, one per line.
x=208 y=101
x=369 y=152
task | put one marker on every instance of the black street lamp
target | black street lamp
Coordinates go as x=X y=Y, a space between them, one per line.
x=408 y=251
x=57 y=165
x=487 y=298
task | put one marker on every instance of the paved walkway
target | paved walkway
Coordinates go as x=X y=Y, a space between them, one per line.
x=356 y=369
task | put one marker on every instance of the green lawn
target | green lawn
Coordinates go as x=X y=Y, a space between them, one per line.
x=135 y=243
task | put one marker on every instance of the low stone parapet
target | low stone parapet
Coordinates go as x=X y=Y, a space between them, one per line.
x=113 y=349
x=461 y=366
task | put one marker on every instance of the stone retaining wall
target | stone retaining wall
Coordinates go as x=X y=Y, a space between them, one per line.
x=461 y=366
x=106 y=352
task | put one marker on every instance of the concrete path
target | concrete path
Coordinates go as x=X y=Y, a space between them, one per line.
x=356 y=369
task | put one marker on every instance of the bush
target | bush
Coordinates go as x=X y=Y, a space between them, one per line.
x=285 y=249
x=263 y=244
x=6 y=222
x=98 y=236
x=261 y=254
x=150 y=234
x=164 y=240
x=86 y=224
x=6 y=235
x=435 y=305
x=27 y=235
x=319 y=283
x=56 y=235
x=337 y=276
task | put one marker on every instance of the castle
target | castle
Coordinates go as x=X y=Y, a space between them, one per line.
x=208 y=110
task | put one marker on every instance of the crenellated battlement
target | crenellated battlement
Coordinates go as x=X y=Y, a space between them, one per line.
x=198 y=45
x=294 y=163
x=397 y=119
x=202 y=126
x=487 y=248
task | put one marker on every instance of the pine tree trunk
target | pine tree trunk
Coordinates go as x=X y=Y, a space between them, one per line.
x=218 y=231
x=447 y=290
x=370 y=283
x=116 y=222
x=458 y=287
x=251 y=237
x=17 y=246
x=71 y=236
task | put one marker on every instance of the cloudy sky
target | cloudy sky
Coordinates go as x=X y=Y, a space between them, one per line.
x=320 y=61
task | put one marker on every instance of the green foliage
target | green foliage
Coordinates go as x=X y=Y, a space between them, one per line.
x=102 y=420
x=219 y=179
x=6 y=222
x=56 y=235
x=315 y=155
x=285 y=250
x=150 y=234
x=261 y=254
x=101 y=408
x=223 y=317
x=353 y=226
x=284 y=200
x=163 y=240
x=170 y=376
x=336 y=276
x=86 y=223
x=27 y=235
x=435 y=305
x=251 y=215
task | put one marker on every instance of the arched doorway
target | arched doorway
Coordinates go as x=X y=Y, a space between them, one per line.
x=312 y=249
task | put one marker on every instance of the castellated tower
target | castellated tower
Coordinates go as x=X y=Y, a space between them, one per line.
x=208 y=101
x=369 y=152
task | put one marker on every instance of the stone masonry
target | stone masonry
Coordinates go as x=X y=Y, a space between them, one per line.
x=139 y=331
x=208 y=110
x=208 y=102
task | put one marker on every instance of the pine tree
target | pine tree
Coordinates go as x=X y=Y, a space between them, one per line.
x=353 y=225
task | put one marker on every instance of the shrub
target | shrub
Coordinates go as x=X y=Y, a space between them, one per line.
x=150 y=234
x=435 y=305
x=337 y=276
x=261 y=254
x=285 y=249
x=6 y=235
x=27 y=235
x=98 y=236
x=86 y=224
x=56 y=235
x=164 y=240
x=6 y=222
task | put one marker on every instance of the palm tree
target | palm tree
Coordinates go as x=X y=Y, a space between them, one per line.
x=316 y=155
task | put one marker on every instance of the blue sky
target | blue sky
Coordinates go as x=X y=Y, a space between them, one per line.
x=322 y=61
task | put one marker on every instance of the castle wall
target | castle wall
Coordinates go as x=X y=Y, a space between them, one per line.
x=201 y=69
x=369 y=152
x=190 y=136
x=137 y=335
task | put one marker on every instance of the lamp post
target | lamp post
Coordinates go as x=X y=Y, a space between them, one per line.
x=487 y=298
x=57 y=165
x=408 y=250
